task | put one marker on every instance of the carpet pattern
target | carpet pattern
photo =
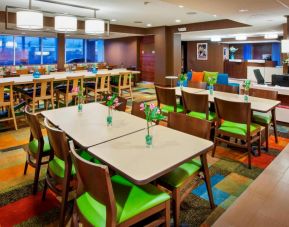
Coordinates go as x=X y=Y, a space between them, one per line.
x=229 y=178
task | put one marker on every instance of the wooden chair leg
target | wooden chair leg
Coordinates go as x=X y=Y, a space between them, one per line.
x=14 y=118
x=44 y=190
x=274 y=125
x=214 y=148
x=259 y=143
x=25 y=167
x=177 y=205
x=167 y=214
x=64 y=203
x=74 y=219
x=249 y=155
x=267 y=137
x=52 y=103
x=36 y=177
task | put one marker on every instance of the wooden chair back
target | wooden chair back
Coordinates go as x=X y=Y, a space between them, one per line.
x=100 y=188
x=22 y=71
x=166 y=96
x=239 y=112
x=58 y=143
x=102 y=83
x=6 y=99
x=80 y=68
x=124 y=80
x=196 y=102
x=34 y=124
x=226 y=88
x=265 y=94
x=200 y=85
x=190 y=125
x=135 y=110
x=46 y=88
x=123 y=103
x=73 y=82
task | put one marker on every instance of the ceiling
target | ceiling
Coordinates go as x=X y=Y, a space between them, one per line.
x=263 y=15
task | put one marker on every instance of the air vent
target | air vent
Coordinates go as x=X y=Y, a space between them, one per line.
x=191 y=13
x=138 y=22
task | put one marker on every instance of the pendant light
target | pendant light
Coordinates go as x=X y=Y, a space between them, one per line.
x=64 y=23
x=94 y=26
x=29 y=19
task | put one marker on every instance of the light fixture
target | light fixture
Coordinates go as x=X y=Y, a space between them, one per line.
x=241 y=37
x=215 y=15
x=216 y=39
x=271 y=36
x=285 y=46
x=181 y=6
x=29 y=19
x=94 y=25
x=113 y=20
x=64 y=23
x=178 y=21
x=149 y=25
x=243 y=10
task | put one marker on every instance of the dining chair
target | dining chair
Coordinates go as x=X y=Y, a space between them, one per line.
x=22 y=71
x=65 y=92
x=115 y=201
x=60 y=173
x=200 y=85
x=234 y=120
x=182 y=180
x=124 y=84
x=42 y=91
x=226 y=88
x=42 y=71
x=167 y=102
x=38 y=147
x=135 y=110
x=197 y=105
x=7 y=102
x=99 y=86
x=265 y=119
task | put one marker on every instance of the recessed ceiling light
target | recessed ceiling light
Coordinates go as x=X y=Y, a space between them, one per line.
x=181 y=6
x=241 y=37
x=113 y=20
x=243 y=10
x=149 y=25
x=178 y=21
x=271 y=36
x=216 y=39
x=215 y=15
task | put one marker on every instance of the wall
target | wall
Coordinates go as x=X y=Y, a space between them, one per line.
x=215 y=60
x=122 y=51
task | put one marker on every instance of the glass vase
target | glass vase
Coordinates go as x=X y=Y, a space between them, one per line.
x=109 y=117
x=79 y=105
x=246 y=95
x=211 y=89
x=149 y=137
x=181 y=85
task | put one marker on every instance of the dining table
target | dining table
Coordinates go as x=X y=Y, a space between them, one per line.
x=187 y=89
x=132 y=158
x=89 y=127
x=62 y=76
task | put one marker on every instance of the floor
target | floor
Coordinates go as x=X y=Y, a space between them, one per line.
x=229 y=177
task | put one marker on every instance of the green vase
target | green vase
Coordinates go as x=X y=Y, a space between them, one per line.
x=211 y=89
x=79 y=105
x=109 y=117
x=149 y=140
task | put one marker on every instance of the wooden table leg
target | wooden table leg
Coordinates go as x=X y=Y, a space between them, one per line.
x=207 y=179
x=274 y=124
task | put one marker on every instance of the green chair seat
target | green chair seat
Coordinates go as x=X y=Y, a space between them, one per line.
x=202 y=116
x=57 y=166
x=168 y=109
x=263 y=118
x=180 y=174
x=237 y=128
x=85 y=155
x=33 y=145
x=131 y=200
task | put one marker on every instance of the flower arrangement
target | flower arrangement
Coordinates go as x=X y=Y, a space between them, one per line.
x=112 y=103
x=286 y=61
x=182 y=78
x=211 y=81
x=80 y=97
x=233 y=50
x=152 y=113
x=246 y=85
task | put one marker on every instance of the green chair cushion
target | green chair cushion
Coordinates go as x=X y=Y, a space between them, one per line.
x=169 y=109
x=210 y=74
x=85 y=155
x=237 y=128
x=202 y=116
x=33 y=145
x=131 y=200
x=57 y=166
x=180 y=174
x=263 y=118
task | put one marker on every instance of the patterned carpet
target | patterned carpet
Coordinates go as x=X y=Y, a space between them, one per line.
x=229 y=177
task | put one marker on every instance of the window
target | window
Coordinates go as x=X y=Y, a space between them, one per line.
x=95 y=51
x=27 y=50
x=6 y=50
x=49 y=50
x=74 y=50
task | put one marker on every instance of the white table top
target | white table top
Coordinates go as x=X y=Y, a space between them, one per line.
x=171 y=77
x=131 y=158
x=265 y=202
x=257 y=104
x=60 y=76
x=89 y=127
x=188 y=89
